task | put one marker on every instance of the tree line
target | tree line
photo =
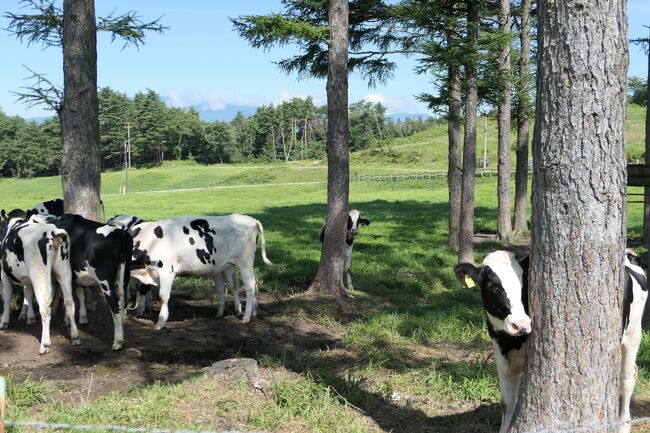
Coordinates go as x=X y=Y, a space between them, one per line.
x=292 y=130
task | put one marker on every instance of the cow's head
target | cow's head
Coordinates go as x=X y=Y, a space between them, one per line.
x=5 y=218
x=504 y=290
x=354 y=221
x=635 y=260
x=125 y=222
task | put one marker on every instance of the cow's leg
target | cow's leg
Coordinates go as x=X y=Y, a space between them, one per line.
x=348 y=264
x=233 y=283
x=27 y=313
x=7 y=291
x=630 y=347
x=166 y=283
x=43 y=295
x=219 y=285
x=81 y=296
x=142 y=290
x=66 y=290
x=509 y=387
x=113 y=299
x=248 y=278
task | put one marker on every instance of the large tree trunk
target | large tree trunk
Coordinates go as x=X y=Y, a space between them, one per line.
x=571 y=377
x=81 y=157
x=504 y=225
x=454 y=170
x=329 y=277
x=466 y=237
x=523 y=115
x=646 y=191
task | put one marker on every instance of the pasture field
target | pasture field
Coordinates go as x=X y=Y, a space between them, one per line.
x=410 y=352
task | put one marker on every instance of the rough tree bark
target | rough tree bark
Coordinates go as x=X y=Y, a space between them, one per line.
x=81 y=158
x=466 y=236
x=328 y=279
x=504 y=225
x=646 y=205
x=454 y=170
x=523 y=115
x=578 y=228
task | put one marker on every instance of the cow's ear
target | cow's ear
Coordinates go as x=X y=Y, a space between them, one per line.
x=3 y=215
x=636 y=259
x=364 y=222
x=468 y=274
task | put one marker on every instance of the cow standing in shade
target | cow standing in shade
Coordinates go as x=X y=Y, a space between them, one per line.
x=199 y=246
x=100 y=255
x=31 y=252
x=354 y=221
x=504 y=290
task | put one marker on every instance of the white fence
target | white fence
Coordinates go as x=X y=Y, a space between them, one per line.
x=419 y=175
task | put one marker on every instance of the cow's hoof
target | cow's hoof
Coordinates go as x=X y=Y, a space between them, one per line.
x=158 y=327
x=76 y=342
x=4 y=325
x=43 y=350
x=117 y=345
x=83 y=320
x=245 y=320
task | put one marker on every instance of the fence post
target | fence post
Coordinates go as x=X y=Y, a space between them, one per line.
x=2 y=404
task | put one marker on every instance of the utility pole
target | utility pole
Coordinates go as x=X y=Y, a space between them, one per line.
x=485 y=142
x=127 y=158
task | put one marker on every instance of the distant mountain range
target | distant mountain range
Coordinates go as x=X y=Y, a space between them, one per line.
x=229 y=112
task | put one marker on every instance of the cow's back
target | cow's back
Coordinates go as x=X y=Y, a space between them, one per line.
x=202 y=245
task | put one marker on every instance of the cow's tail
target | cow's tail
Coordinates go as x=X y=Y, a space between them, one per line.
x=101 y=204
x=261 y=234
x=60 y=245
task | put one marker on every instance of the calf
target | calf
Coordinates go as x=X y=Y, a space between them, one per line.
x=201 y=246
x=100 y=255
x=504 y=290
x=505 y=299
x=353 y=228
x=31 y=252
x=54 y=208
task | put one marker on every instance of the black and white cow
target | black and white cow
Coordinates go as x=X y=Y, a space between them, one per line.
x=635 y=295
x=200 y=246
x=100 y=256
x=503 y=281
x=54 y=208
x=504 y=290
x=49 y=208
x=32 y=252
x=354 y=221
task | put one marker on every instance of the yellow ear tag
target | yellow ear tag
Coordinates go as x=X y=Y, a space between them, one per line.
x=469 y=283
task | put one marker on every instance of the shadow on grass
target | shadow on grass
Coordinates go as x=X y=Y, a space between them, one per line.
x=403 y=271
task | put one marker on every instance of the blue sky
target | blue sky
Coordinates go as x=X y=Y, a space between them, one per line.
x=200 y=61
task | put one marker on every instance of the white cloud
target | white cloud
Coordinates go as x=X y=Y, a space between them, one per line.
x=219 y=99
x=395 y=104
x=213 y=99
x=375 y=97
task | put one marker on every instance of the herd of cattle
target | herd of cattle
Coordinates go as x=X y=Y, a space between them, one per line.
x=43 y=244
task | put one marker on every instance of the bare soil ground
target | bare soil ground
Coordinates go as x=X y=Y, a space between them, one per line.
x=194 y=339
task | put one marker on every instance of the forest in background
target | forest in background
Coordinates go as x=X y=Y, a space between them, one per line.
x=292 y=130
